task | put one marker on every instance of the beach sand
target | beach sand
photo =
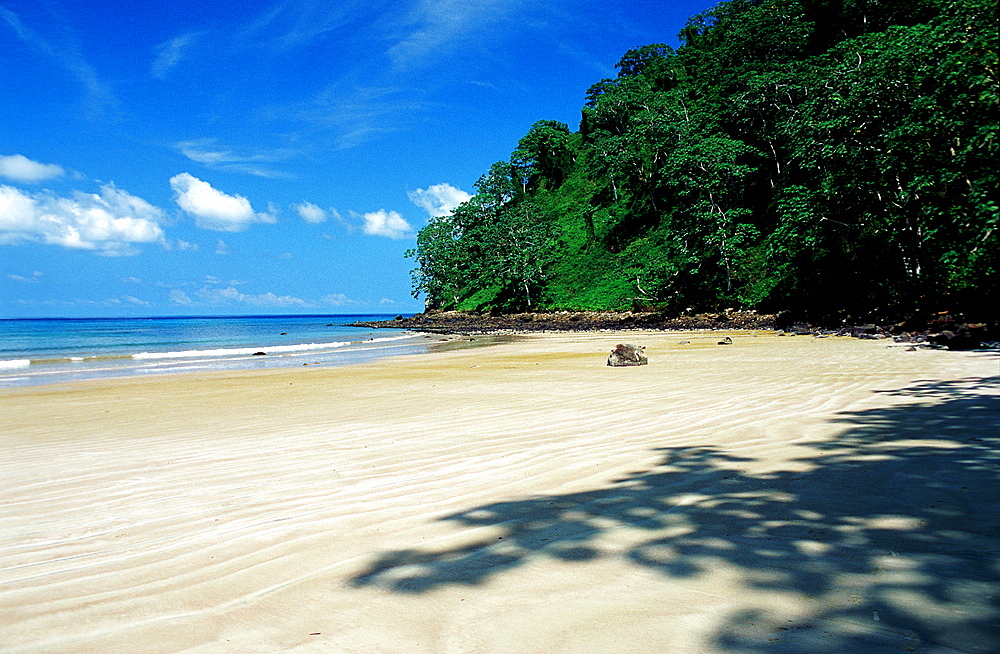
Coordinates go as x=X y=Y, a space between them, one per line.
x=780 y=494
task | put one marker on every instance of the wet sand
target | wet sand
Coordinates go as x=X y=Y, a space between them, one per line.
x=780 y=494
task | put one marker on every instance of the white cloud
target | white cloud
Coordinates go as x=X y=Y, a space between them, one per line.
x=337 y=300
x=221 y=247
x=385 y=223
x=19 y=168
x=229 y=295
x=309 y=212
x=178 y=296
x=109 y=222
x=213 y=209
x=213 y=294
x=438 y=199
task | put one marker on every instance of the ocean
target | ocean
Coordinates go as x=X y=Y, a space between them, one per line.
x=53 y=350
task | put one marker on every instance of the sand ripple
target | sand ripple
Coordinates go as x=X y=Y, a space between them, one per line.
x=517 y=498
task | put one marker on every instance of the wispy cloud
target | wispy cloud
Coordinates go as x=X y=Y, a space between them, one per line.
x=18 y=168
x=296 y=23
x=208 y=152
x=100 y=98
x=434 y=27
x=377 y=93
x=356 y=114
x=171 y=52
x=83 y=302
x=109 y=222
x=213 y=209
x=35 y=277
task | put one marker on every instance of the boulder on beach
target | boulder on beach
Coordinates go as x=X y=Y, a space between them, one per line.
x=965 y=337
x=627 y=355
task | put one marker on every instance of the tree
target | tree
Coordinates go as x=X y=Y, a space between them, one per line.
x=543 y=156
x=834 y=157
x=443 y=262
x=523 y=243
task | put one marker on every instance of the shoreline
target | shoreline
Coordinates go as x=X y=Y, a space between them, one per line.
x=522 y=497
x=44 y=351
x=48 y=371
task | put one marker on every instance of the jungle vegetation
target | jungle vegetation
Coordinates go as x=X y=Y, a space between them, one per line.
x=832 y=158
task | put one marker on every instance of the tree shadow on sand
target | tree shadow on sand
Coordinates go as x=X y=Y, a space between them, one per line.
x=892 y=534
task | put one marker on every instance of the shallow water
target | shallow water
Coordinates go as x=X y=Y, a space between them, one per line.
x=43 y=351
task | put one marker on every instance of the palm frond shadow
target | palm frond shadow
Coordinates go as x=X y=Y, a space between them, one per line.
x=906 y=498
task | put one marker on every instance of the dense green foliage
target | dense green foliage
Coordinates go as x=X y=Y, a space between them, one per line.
x=830 y=157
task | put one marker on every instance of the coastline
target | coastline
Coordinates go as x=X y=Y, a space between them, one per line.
x=46 y=351
x=938 y=330
x=521 y=497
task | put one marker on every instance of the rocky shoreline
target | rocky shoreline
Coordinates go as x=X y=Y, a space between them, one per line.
x=457 y=322
x=942 y=330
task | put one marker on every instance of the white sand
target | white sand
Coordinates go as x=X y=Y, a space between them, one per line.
x=781 y=494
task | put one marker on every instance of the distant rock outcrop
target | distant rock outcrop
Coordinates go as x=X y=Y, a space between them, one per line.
x=627 y=355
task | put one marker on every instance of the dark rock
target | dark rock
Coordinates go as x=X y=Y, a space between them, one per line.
x=627 y=355
x=864 y=331
x=965 y=337
x=726 y=341
x=784 y=320
x=456 y=322
x=259 y=354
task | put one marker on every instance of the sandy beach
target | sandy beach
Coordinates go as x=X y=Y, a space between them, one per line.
x=780 y=494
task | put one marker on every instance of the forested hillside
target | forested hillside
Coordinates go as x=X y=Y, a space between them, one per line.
x=832 y=158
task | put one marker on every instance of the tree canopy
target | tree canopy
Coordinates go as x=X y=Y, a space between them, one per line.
x=834 y=158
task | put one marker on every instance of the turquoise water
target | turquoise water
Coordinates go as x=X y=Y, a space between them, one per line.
x=43 y=351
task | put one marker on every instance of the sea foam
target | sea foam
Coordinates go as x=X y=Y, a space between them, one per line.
x=225 y=352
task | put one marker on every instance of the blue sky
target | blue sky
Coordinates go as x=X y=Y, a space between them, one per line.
x=176 y=157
